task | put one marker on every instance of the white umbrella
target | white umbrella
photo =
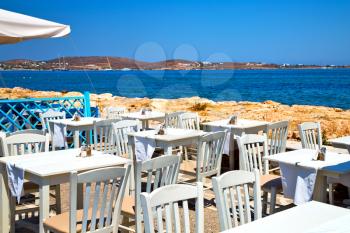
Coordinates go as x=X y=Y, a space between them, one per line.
x=15 y=27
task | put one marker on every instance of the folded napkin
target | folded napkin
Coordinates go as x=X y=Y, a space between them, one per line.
x=144 y=148
x=15 y=180
x=298 y=182
x=59 y=135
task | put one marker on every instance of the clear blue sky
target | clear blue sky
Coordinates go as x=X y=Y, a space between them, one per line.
x=298 y=31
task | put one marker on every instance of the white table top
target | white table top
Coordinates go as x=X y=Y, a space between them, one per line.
x=342 y=140
x=241 y=123
x=170 y=134
x=306 y=218
x=63 y=161
x=84 y=121
x=339 y=163
x=149 y=115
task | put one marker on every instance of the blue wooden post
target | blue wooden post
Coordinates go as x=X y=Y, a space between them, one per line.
x=87 y=106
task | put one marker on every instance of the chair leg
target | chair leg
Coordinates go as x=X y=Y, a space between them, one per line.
x=58 y=198
x=273 y=200
x=264 y=209
x=330 y=194
x=186 y=153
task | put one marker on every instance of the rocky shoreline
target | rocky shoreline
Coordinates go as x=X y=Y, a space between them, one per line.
x=335 y=122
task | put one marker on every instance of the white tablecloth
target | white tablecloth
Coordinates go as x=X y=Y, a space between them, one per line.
x=299 y=172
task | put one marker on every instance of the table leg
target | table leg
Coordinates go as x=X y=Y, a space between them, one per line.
x=5 y=203
x=232 y=152
x=144 y=126
x=44 y=208
x=76 y=138
x=320 y=189
x=168 y=150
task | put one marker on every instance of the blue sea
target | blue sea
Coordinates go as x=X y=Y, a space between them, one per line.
x=327 y=87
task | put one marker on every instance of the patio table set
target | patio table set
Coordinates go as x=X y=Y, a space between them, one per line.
x=304 y=179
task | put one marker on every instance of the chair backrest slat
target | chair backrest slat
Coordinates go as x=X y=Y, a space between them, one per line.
x=25 y=142
x=172 y=120
x=163 y=200
x=209 y=154
x=277 y=134
x=111 y=180
x=160 y=171
x=233 y=199
x=104 y=138
x=189 y=120
x=310 y=135
x=121 y=130
x=252 y=150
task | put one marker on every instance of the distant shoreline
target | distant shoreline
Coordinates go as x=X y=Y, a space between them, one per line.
x=257 y=69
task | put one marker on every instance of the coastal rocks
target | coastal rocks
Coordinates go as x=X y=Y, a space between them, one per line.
x=335 y=122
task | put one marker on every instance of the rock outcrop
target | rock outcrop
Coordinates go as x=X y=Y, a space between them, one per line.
x=335 y=122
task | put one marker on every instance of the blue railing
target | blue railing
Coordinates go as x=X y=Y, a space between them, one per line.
x=20 y=114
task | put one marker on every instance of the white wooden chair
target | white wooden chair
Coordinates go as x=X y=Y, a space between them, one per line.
x=172 y=119
x=165 y=201
x=252 y=153
x=150 y=175
x=104 y=136
x=209 y=156
x=48 y=116
x=189 y=120
x=29 y=142
x=232 y=198
x=104 y=192
x=26 y=142
x=277 y=134
x=115 y=112
x=120 y=132
x=310 y=135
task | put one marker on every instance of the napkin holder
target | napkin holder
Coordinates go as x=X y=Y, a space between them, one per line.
x=85 y=151
x=160 y=130
x=76 y=117
x=321 y=154
x=233 y=120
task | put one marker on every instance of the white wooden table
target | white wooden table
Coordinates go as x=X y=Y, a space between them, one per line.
x=148 y=116
x=342 y=142
x=243 y=126
x=172 y=138
x=311 y=217
x=85 y=124
x=334 y=166
x=45 y=169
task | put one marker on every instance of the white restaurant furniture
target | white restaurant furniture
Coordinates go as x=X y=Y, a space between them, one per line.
x=342 y=142
x=101 y=212
x=232 y=198
x=45 y=117
x=160 y=171
x=252 y=153
x=148 y=116
x=171 y=139
x=209 y=156
x=45 y=169
x=311 y=217
x=304 y=172
x=115 y=112
x=242 y=126
x=165 y=201
x=310 y=135
x=84 y=124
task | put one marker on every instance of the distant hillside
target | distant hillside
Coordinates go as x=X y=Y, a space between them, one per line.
x=118 y=63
